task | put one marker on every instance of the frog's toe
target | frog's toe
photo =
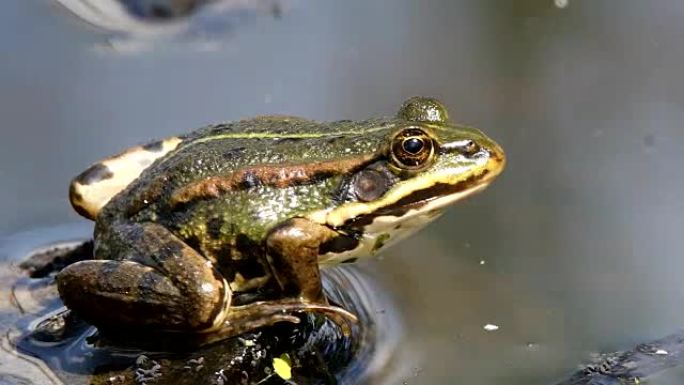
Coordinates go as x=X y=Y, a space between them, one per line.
x=344 y=319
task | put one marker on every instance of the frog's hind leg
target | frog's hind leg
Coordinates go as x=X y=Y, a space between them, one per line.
x=150 y=278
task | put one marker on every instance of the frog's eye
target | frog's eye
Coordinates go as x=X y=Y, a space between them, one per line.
x=412 y=149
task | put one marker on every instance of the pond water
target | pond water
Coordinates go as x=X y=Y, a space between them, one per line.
x=576 y=249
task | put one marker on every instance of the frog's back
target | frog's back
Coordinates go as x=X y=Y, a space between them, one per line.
x=149 y=173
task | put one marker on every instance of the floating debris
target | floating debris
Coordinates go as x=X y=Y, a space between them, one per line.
x=283 y=366
x=491 y=327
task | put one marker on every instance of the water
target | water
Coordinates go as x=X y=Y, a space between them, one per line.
x=580 y=236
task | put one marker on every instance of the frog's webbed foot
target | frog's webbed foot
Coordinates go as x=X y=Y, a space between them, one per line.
x=245 y=318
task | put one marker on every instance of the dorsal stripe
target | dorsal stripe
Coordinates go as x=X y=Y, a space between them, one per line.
x=274 y=175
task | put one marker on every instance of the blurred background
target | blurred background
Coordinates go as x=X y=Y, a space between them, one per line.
x=576 y=249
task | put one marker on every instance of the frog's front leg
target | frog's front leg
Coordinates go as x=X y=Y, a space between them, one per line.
x=149 y=278
x=293 y=249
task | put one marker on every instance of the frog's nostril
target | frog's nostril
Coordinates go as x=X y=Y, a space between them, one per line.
x=496 y=154
x=470 y=148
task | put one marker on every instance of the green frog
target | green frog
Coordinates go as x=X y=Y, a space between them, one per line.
x=224 y=230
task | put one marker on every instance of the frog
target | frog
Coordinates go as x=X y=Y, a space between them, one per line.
x=225 y=230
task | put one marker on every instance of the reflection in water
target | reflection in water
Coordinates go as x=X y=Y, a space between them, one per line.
x=136 y=24
x=161 y=9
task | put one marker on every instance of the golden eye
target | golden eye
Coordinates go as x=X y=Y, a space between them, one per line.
x=412 y=149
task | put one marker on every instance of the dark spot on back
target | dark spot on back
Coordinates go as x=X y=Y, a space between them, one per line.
x=94 y=174
x=287 y=140
x=154 y=146
x=334 y=139
x=350 y=260
x=339 y=244
x=233 y=153
x=249 y=180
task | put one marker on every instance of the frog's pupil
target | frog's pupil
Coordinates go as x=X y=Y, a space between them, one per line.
x=413 y=145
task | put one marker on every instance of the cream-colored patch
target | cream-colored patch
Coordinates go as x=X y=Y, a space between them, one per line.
x=88 y=199
x=398 y=228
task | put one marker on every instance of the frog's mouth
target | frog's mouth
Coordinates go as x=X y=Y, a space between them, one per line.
x=430 y=199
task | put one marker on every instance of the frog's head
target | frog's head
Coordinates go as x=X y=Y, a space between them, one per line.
x=427 y=163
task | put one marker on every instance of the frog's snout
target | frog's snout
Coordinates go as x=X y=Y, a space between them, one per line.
x=497 y=154
x=496 y=159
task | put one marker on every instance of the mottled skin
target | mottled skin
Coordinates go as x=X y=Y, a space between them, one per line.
x=225 y=233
